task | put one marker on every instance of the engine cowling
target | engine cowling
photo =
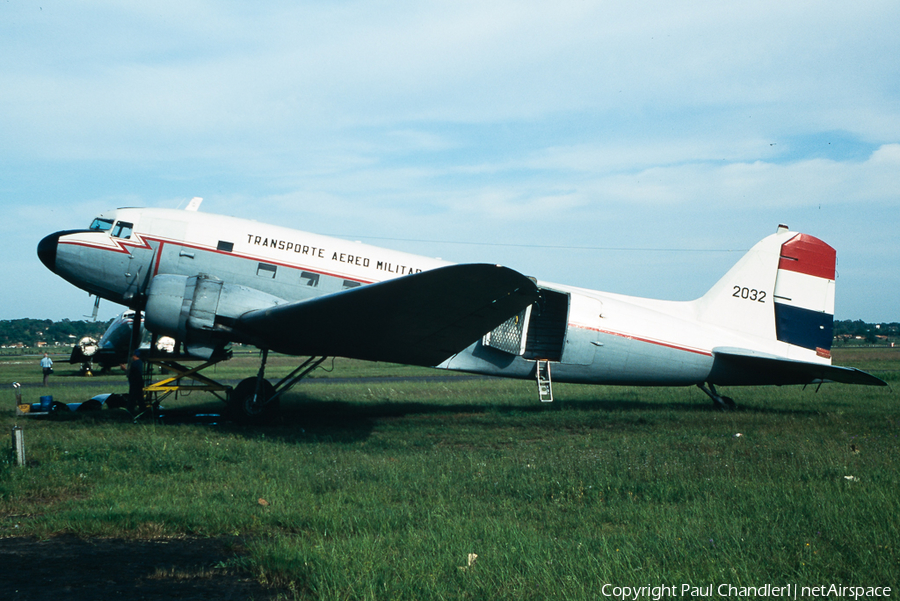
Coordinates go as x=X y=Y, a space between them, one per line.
x=200 y=310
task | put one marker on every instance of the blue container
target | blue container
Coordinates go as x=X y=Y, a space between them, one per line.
x=46 y=403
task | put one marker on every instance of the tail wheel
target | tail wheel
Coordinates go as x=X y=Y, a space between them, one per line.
x=724 y=403
x=246 y=406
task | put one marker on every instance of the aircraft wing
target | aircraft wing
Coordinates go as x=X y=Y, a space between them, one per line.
x=419 y=319
x=740 y=367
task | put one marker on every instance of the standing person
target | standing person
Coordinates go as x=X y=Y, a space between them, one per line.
x=135 y=381
x=47 y=367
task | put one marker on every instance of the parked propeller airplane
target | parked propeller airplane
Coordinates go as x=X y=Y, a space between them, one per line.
x=113 y=348
x=209 y=280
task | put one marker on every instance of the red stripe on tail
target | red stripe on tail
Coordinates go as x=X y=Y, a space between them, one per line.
x=809 y=255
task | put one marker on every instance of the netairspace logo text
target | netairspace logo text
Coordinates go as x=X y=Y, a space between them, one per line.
x=766 y=591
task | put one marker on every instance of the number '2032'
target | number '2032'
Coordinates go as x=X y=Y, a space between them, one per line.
x=751 y=294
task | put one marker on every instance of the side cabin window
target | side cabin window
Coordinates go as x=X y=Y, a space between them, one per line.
x=225 y=246
x=265 y=270
x=101 y=225
x=307 y=278
x=122 y=229
x=349 y=284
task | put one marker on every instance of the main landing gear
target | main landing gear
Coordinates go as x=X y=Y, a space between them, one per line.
x=252 y=400
x=725 y=403
x=155 y=392
x=257 y=399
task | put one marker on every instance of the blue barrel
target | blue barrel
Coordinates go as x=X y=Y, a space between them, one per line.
x=46 y=403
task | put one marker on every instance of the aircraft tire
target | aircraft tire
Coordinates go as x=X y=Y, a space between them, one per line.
x=59 y=408
x=90 y=405
x=241 y=405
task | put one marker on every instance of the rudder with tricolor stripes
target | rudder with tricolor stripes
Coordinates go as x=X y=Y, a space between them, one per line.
x=804 y=294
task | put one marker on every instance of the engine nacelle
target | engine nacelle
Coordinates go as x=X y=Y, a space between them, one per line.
x=200 y=310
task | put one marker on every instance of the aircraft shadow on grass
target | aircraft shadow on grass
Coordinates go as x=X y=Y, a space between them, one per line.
x=306 y=420
x=303 y=418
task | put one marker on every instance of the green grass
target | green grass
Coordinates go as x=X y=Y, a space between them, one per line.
x=381 y=490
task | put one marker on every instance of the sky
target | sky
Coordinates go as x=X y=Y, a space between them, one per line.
x=630 y=147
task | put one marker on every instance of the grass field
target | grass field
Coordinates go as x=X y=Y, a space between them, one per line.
x=383 y=489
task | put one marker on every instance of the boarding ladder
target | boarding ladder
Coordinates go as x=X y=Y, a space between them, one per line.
x=545 y=387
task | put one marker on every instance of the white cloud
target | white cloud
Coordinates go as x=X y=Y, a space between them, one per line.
x=888 y=155
x=132 y=79
x=577 y=180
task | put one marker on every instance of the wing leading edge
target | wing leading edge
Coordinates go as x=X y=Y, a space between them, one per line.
x=741 y=367
x=420 y=319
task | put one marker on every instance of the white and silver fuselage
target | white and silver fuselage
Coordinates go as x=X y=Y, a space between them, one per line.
x=590 y=337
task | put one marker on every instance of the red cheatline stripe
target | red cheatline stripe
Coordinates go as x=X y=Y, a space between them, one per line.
x=808 y=255
x=120 y=249
x=671 y=345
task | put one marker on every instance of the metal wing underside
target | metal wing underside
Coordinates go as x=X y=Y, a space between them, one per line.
x=420 y=319
x=737 y=367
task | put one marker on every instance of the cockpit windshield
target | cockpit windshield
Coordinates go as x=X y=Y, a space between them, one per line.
x=101 y=225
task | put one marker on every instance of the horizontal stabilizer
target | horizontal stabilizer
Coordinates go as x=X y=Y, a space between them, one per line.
x=420 y=319
x=741 y=367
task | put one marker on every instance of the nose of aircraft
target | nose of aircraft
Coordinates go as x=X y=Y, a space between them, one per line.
x=46 y=251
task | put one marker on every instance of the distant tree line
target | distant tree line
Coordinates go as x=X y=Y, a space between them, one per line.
x=34 y=332
x=31 y=332
x=870 y=332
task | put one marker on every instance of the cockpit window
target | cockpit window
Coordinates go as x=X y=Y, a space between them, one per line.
x=122 y=229
x=101 y=225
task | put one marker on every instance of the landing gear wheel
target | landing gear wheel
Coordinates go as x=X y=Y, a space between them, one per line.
x=245 y=407
x=721 y=402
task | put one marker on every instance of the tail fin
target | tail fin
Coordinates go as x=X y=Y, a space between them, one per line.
x=782 y=289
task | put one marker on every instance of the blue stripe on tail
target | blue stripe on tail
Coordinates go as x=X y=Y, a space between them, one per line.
x=803 y=327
